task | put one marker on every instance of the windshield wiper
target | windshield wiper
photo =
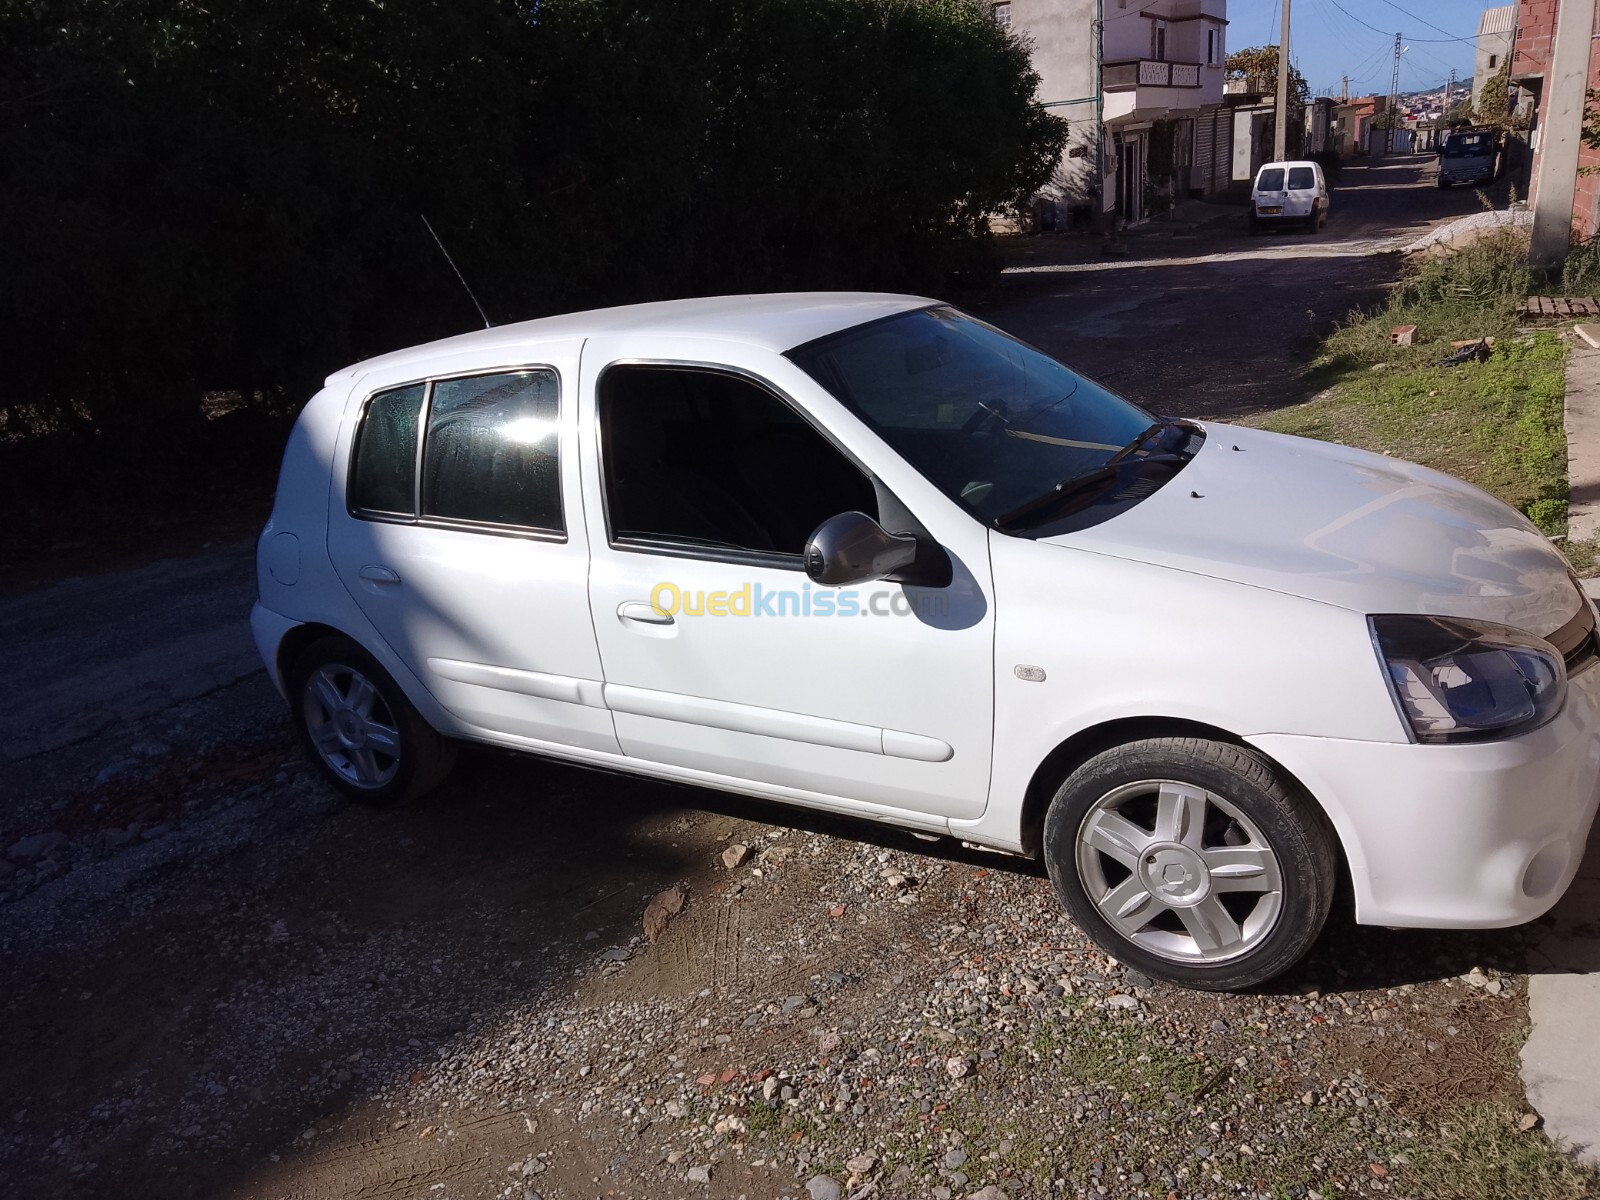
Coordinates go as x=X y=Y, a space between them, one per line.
x=1160 y=427
x=1060 y=497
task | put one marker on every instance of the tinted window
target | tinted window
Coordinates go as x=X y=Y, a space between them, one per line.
x=491 y=453
x=1302 y=178
x=990 y=421
x=383 y=476
x=695 y=458
x=1270 y=180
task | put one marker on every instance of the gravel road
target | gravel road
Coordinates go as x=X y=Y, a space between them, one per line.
x=220 y=982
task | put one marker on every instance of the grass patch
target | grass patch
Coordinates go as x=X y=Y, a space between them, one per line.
x=1482 y=1155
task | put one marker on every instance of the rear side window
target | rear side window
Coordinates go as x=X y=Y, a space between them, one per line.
x=383 y=475
x=1270 y=180
x=491 y=451
x=490 y=455
x=1302 y=179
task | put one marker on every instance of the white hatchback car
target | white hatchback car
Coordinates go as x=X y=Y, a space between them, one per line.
x=867 y=554
x=1289 y=193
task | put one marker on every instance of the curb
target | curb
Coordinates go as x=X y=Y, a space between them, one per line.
x=1582 y=423
x=1560 y=1064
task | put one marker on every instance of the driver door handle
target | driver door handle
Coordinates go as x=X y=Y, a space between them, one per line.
x=373 y=573
x=644 y=612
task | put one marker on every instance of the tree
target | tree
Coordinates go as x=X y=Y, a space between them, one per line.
x=224 y=198
x=1258 y=67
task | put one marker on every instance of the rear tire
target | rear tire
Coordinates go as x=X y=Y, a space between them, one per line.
x=359 y=729
x=1192 y=860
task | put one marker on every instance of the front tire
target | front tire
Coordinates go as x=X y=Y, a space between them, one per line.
x=1192 y=860
x=359 y=729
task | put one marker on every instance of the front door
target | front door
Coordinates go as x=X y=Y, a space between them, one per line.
x=719 y=653
x=459 y=533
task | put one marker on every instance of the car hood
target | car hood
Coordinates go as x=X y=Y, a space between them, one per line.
x=1345 y=527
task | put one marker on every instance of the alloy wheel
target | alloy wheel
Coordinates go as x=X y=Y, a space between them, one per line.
x=351 y=726
x=1179 y=871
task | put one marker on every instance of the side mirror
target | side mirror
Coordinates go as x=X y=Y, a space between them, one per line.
x=853 y=548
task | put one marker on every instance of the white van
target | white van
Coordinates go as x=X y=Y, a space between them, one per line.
x=1289 y=191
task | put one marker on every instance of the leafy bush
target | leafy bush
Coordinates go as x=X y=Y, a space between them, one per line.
x=223 y=199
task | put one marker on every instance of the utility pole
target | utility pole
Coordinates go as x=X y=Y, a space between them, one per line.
x=1394 y=98
x=1556 y=169
x=1449 y=90
x=1280 y=134
x=1344 y=91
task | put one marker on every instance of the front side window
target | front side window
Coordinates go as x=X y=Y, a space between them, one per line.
x=383 y=473
x=993 y=423
x=697 y=460
x=491 y=451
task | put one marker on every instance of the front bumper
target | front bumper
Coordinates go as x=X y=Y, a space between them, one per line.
x=1459 y=837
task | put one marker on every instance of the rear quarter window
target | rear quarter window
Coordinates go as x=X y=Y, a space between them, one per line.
x=384 y=471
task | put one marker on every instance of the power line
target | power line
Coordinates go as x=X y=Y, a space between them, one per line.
x=1426 y=22
x=1375 y=29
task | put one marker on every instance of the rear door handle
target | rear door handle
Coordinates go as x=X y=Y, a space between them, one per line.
x=643 y=611
x=373 y=573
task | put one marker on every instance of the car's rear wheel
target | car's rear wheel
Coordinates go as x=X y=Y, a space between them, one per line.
x=359 y=728
x=1192 y=860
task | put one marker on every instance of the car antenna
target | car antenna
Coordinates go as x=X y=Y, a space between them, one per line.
x=487 y=324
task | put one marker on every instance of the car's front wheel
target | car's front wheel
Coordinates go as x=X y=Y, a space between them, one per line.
x=1191 y=860
x=359 y=728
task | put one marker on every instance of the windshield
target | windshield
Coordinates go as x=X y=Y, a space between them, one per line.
x=1270 y=180
x=1474 y=145
x=991 y=422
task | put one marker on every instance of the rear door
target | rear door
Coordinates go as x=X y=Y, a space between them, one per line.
x=1301 y=192
x=457 y=527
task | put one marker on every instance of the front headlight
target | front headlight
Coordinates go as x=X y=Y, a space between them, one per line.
x=1457 y=680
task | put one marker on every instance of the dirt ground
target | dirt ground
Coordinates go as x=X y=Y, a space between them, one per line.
x=218 y=981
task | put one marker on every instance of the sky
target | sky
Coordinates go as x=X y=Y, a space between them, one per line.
x=1331 y=38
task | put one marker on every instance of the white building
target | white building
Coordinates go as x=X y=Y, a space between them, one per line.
x=1140 y=85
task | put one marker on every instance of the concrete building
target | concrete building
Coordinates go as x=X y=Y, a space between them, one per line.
x=1495 y=30
x=1142 y=100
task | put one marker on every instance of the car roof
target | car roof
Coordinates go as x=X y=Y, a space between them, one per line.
x=1289 y=162
x=776 y=321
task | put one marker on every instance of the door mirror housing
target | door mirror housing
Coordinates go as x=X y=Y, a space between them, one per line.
x=852 y=548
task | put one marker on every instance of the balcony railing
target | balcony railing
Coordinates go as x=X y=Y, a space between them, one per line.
x=1149 y=72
